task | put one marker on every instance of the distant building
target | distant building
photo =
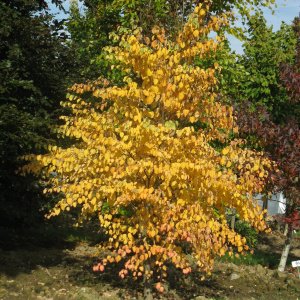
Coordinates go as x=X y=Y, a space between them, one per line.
x=276 y=204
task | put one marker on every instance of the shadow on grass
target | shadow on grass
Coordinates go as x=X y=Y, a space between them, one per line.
x=56 y=233
x=188 y=287
x=25 y=249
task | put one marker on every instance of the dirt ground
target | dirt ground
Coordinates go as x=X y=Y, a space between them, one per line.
x=65 y=272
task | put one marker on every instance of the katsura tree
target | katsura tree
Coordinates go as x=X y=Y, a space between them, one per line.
x=146 y=161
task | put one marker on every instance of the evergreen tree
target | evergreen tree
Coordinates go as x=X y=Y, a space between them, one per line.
x=33 y=65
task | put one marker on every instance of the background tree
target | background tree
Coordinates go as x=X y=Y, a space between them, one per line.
x=89 y=34
x=270 y=118
x=89 y=28
x=254 y=76
x=158 y=203
x=33 y=64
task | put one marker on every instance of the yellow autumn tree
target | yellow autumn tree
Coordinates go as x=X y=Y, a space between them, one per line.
x=145 y=161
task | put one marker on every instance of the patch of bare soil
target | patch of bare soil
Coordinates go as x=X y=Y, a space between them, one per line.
x=45 y=273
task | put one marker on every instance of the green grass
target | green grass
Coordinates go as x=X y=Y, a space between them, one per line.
x=258 y=257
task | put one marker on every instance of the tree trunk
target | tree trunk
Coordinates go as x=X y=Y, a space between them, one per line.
x=147 y=285
x=265 y=203
x=232 y=220
x=286 y=229
x=286 y=249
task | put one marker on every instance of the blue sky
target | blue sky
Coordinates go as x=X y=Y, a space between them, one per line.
x=285 y=11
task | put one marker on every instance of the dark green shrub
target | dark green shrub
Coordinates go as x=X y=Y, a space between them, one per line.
x=244 y=229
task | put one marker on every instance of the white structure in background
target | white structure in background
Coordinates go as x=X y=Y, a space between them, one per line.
x=276 y=204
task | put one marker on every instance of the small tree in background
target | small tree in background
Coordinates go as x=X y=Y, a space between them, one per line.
x=254 y=76
x=145 y=160
x=280 y=139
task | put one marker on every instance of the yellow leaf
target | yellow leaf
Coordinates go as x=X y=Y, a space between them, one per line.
x=222 y=251
x=225 y=151
x=180 y=202
x=149 y=99
x=196 y=33
x=192 y=119
x=202 y=12
x=197 y=218
x=181 y=96
x=256 y=167
x=149 y=72
x=185 y=112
